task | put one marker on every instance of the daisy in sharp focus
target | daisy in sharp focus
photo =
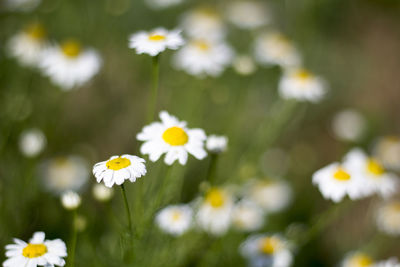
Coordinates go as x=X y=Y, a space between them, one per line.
x=155 y=41
x=357 y=259
x=388 y=218
x=201 y=57
x=263 y=250
x=117 y=169
x=372 y=173
x=69 y=65
x=28 y=45
x=302 y=85
x=175 y=219
x=335 y=182
x=38 y=252
x=214 y=214
x=273 y=48
x=172 y=138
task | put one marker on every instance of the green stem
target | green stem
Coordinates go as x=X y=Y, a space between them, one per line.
x=74 y=237
x=212 y=168
x=154 y=90
x=128 y=213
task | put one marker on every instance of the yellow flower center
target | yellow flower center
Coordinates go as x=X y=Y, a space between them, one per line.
x=303 y=74
x=215 y=198
x=202 y=45
x=176 y=215
x=71 y=48
x=341 y=175
x=361 y=260
x=175 y=136
x=34 y=250
x=156 y=37
x=269 y=245
x=36 y=31
x=118 y=163
x=375 y=167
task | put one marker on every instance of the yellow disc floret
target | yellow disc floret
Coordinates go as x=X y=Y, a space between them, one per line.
x=202 y=45
x=71 y=48
x=361 y=260
x=176 y=216
x=156 y=37
x=375 y=167
x=215 y=197
x=175 y=136
x=118 y=163
x=269 y=245
x=34 y=250
x=341 y=175
x=303 y=74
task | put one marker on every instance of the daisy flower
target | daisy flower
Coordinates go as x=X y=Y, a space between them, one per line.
x=348 y=125
x=372 y=173
x=69 y=65
x=248 y=14
x=392 y=262
x=273 y=48
x=244 y=65
x=66 y=173
x=117 y=169
x=335 y=181
x=388 y=218
x=266 y=250
x=102 y=193
x=357 y=259
x=203 y=23
x=70 y=200
x=27 y=46
x=21 y=5
x=32 y=142
x=387 y=150
x=247 y=216
x=160 y=4
x=200 y=57
x=173 y=138
x=175 y=219
x=216 y=144
x=38 y=252
x=155 y=41
x=215 y=212
x=301 y=85
x=271 y=195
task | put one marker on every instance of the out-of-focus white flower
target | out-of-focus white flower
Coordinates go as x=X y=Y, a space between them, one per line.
x=175 y=219
x=117 y=169
x=348 y=125
x=172 y=137
x=38 y=252
x=371 y=173
x=266 y=250
x=102 y=193
x=248 y=14
x=70 y=200
x=32 y=142
x=301 y=85
x=388 y=218
x=244 y=65
x=271 y=195
x=247 y=216
x=68 y=65
x=335 y=181
x=64 y=173
x=387 y=150
x=28 y=45
x=155 y=41
x=357 y=259
x=21 y=5
x=215 y=212
x=160 y=4
x=273 y=48
x=216 y=144
x=201 y=57
x=392 y=262
x=203 y=23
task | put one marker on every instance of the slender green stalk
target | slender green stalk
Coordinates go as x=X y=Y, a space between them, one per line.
x=212 y=169
x=154 y=90
x=74 y=236
x=128 y=213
